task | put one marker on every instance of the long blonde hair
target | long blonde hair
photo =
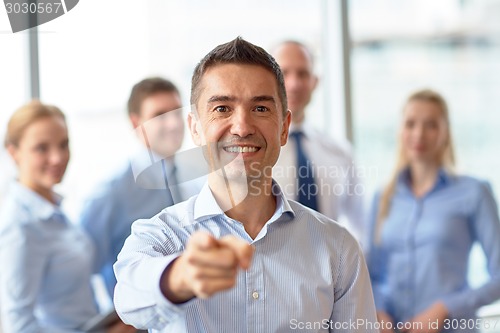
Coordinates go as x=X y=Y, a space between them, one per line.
x=25 y=116
x=446 y=159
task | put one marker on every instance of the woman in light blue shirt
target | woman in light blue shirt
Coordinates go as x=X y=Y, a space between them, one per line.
x=45 y=261
x=424 y=223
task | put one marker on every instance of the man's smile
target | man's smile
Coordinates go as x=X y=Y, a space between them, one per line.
x=241 y=149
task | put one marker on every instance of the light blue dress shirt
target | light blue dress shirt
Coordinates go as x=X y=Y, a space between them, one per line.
x=423 y=253
x=308 y=274
x=46 y=265
x=136 y=191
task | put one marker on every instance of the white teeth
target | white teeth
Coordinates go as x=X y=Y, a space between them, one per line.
x=236 y=149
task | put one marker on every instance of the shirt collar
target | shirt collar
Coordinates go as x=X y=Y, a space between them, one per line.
x=282 y=204
x=38 y=205
x=304 y=127
x=144 y=158
x=443 y=178
x=295 y=128
x=206 y=206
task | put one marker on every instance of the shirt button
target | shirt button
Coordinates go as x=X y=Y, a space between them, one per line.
x=255 y=295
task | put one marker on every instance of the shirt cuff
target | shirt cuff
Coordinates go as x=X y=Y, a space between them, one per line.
x=167 y=309
x=457 y=306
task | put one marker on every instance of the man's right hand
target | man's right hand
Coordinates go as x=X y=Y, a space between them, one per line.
x=207 y=266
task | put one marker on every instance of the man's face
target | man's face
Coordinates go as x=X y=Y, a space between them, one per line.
x=239 y=114
x=300 y=82
x=162 y=126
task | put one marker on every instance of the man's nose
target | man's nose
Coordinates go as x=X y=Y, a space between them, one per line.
x=242 y=123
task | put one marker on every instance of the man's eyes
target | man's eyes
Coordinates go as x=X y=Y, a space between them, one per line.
x=224 y=109
x=221 y=108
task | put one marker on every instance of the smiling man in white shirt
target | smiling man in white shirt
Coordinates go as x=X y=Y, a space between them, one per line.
x=240 y=256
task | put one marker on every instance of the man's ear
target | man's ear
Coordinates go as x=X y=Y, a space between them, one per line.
x=286 y=126
x=195 y=128
x=135 y=119
x=315 y=82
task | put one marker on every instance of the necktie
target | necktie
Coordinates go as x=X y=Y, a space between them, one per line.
x=307 y=190
x=174 y=186
x=168 y=193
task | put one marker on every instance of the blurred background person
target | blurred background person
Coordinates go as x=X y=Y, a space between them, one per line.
x=46 y=261
x=312 y=168
x=425 y=221
x=146 y=183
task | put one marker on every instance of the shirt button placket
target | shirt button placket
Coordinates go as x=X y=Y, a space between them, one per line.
x=255 y=290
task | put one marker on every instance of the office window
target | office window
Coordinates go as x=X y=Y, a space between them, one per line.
x=14 y=88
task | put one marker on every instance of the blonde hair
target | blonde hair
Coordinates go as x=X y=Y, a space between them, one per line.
x=446 y=158
x=27 y=115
